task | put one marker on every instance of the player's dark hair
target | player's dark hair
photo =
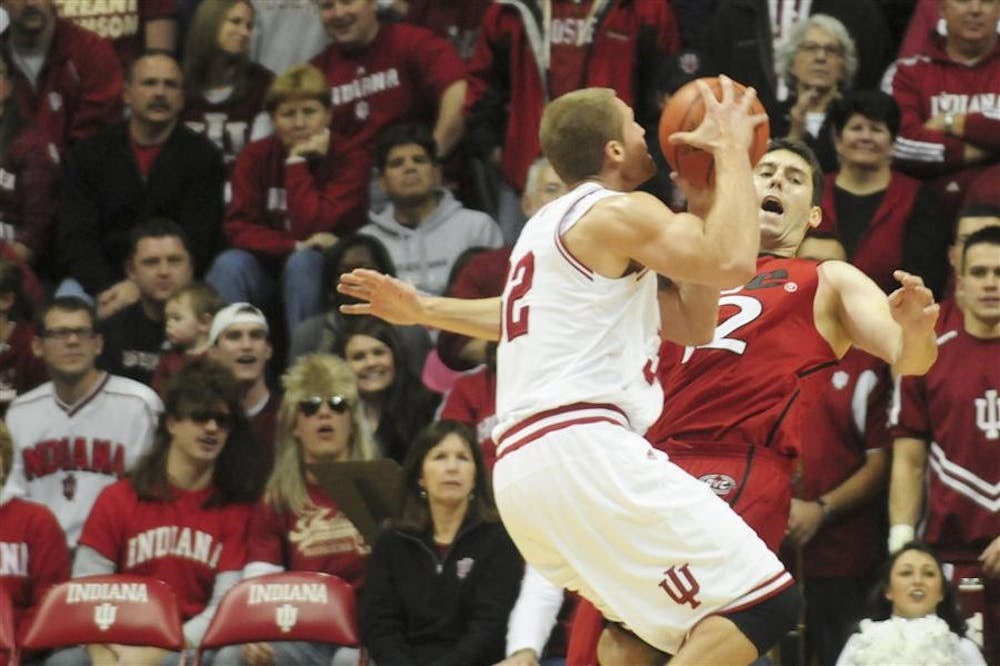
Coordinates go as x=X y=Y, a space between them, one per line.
x=872 y=104
x=156 y=227
x=414 y=513
x=240 y=471
x=985 y=236
x=807 y=154
x=64 y=304
x=880 y=608
x=403 y=135
x=12 y=282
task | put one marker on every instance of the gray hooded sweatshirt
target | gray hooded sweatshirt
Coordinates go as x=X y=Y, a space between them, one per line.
x=424 y=255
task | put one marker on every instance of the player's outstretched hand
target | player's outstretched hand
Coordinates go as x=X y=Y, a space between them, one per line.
x=912 y=305
x=727 y=122
x=381 y=295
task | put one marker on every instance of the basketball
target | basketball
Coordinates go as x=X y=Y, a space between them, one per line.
x=684 y=112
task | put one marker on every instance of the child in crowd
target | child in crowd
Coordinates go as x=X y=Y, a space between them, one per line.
x=189 y=314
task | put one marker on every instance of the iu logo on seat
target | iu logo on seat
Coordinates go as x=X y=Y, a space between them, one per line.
x=286 y=615
x=105 y=615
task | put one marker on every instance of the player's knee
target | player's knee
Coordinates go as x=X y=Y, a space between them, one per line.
x=769 y=621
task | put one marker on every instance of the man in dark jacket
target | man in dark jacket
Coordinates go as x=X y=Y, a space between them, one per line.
x=149 y=166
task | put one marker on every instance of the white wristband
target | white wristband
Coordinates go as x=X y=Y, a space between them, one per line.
x=899 y=536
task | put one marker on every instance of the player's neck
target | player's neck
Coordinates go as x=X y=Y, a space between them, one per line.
x=71 y=390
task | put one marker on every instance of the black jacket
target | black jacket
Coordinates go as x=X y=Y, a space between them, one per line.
x=417 y=609
x=103 y=196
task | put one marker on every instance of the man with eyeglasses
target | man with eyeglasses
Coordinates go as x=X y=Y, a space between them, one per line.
x=82 y=430
x=239 y=340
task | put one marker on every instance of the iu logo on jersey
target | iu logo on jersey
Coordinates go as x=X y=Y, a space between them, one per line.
x=988 y=414
x=681 y=591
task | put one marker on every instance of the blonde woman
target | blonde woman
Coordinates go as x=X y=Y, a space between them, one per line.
x=297 y=527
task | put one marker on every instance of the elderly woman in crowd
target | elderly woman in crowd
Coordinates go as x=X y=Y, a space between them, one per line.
x=876 y=217
x=297 y=526
x=225 y=89
x=442 y=581
x=913 y=618
x=817 y=62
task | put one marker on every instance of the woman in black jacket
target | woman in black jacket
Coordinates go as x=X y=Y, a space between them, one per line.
x=442 y=581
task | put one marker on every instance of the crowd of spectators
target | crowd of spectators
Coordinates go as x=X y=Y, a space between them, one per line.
x=182 y=182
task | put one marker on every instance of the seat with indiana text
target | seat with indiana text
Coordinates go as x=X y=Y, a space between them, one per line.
x=115 y=608
x=287 y=606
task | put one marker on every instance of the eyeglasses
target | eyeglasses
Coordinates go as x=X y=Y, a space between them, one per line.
x=63 y=334
x=203 y=416
x=311 y=405
x=813 y=49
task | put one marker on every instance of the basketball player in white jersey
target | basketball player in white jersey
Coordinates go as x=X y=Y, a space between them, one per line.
x=589 y=503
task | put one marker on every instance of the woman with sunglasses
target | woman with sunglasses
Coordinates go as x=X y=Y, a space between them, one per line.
x=297 y=527
x=442 y=581
x=181 y=514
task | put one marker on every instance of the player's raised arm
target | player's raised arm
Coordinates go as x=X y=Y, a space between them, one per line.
x=850 y=309
x=399 y=303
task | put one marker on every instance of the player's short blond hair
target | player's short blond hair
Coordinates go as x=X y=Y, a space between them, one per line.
x=298 y=82
x=575 y=129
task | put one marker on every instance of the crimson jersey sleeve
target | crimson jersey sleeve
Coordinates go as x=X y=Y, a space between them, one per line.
x=909 y=416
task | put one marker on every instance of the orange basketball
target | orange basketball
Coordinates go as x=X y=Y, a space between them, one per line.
x=682 y=113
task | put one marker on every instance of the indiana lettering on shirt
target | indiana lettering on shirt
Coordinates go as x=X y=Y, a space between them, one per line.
x=173 y=541
x=14 y=559
x=110 y=19
x=985 y=103
x=364 y=85
x=87 y=454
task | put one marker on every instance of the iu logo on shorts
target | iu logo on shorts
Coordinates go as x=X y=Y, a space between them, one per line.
x=681 y=591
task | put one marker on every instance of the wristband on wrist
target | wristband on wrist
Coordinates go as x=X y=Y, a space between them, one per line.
x=899 y=536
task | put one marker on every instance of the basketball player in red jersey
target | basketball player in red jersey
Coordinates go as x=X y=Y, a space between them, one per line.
x=728 y=414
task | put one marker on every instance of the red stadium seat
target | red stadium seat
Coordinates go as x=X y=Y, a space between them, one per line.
x=8 y=632
x=117 y=608
x=287 y=606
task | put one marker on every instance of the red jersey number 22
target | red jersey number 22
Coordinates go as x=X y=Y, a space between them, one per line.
x=515 y=312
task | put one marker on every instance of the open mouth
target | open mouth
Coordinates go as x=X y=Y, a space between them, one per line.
x=771 y=204
x=246 y=360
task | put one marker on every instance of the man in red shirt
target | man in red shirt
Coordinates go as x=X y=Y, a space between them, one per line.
x=381 y=74
x=946 y=429
x=66 y=79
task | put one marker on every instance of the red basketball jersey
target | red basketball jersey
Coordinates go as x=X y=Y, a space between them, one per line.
x=740 y=387
x=955 y=407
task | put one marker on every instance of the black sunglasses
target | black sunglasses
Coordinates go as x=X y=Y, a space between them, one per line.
x=311 y=405
x=222 y=419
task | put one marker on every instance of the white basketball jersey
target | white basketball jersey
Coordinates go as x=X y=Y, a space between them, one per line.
x=570 y=335
x=64 y=455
